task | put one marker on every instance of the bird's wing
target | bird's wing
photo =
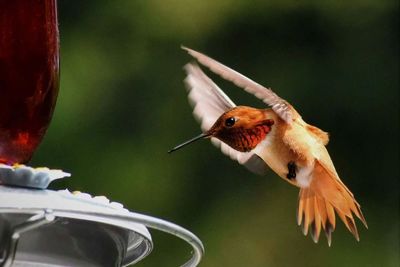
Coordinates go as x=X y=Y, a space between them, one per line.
x=208 y=100
x=209 y=103
x=279 y=105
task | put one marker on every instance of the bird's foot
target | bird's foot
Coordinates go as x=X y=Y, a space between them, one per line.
x=292 y=170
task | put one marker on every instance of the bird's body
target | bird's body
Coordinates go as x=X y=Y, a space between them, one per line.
x=288 y=143
x=294 y=142
x=277 y=138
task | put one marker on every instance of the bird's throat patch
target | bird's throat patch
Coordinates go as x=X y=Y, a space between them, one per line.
x=245 y=140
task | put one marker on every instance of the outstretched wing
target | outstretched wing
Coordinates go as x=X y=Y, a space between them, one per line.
x=279 y=105
x=209 y=103
x=208 y=100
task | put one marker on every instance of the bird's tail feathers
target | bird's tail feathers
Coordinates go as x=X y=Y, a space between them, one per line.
x=318 y=203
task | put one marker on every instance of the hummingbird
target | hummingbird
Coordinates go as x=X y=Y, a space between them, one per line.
x=276 y=138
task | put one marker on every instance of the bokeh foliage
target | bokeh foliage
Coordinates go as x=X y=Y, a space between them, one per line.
x=122 y=105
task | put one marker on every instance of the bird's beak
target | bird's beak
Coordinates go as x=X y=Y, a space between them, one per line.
x=201 y=136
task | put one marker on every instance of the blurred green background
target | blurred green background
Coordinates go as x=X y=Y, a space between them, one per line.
x=122 y=105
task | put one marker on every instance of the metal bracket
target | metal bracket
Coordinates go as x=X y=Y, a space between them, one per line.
x=33 y=222
x=157 y=224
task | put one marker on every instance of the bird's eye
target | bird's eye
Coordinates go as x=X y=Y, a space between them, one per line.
x=229 y=122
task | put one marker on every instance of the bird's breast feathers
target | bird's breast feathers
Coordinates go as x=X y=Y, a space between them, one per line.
x=290 y=143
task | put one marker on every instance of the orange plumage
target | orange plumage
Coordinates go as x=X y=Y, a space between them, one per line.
x=277 y=138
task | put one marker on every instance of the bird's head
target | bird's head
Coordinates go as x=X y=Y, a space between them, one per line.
x=242 y=128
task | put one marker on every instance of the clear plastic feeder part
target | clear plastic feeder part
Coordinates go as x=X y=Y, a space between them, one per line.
x=40 y=227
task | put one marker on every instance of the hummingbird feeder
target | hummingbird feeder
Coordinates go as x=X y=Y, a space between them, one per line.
x=38 y=226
